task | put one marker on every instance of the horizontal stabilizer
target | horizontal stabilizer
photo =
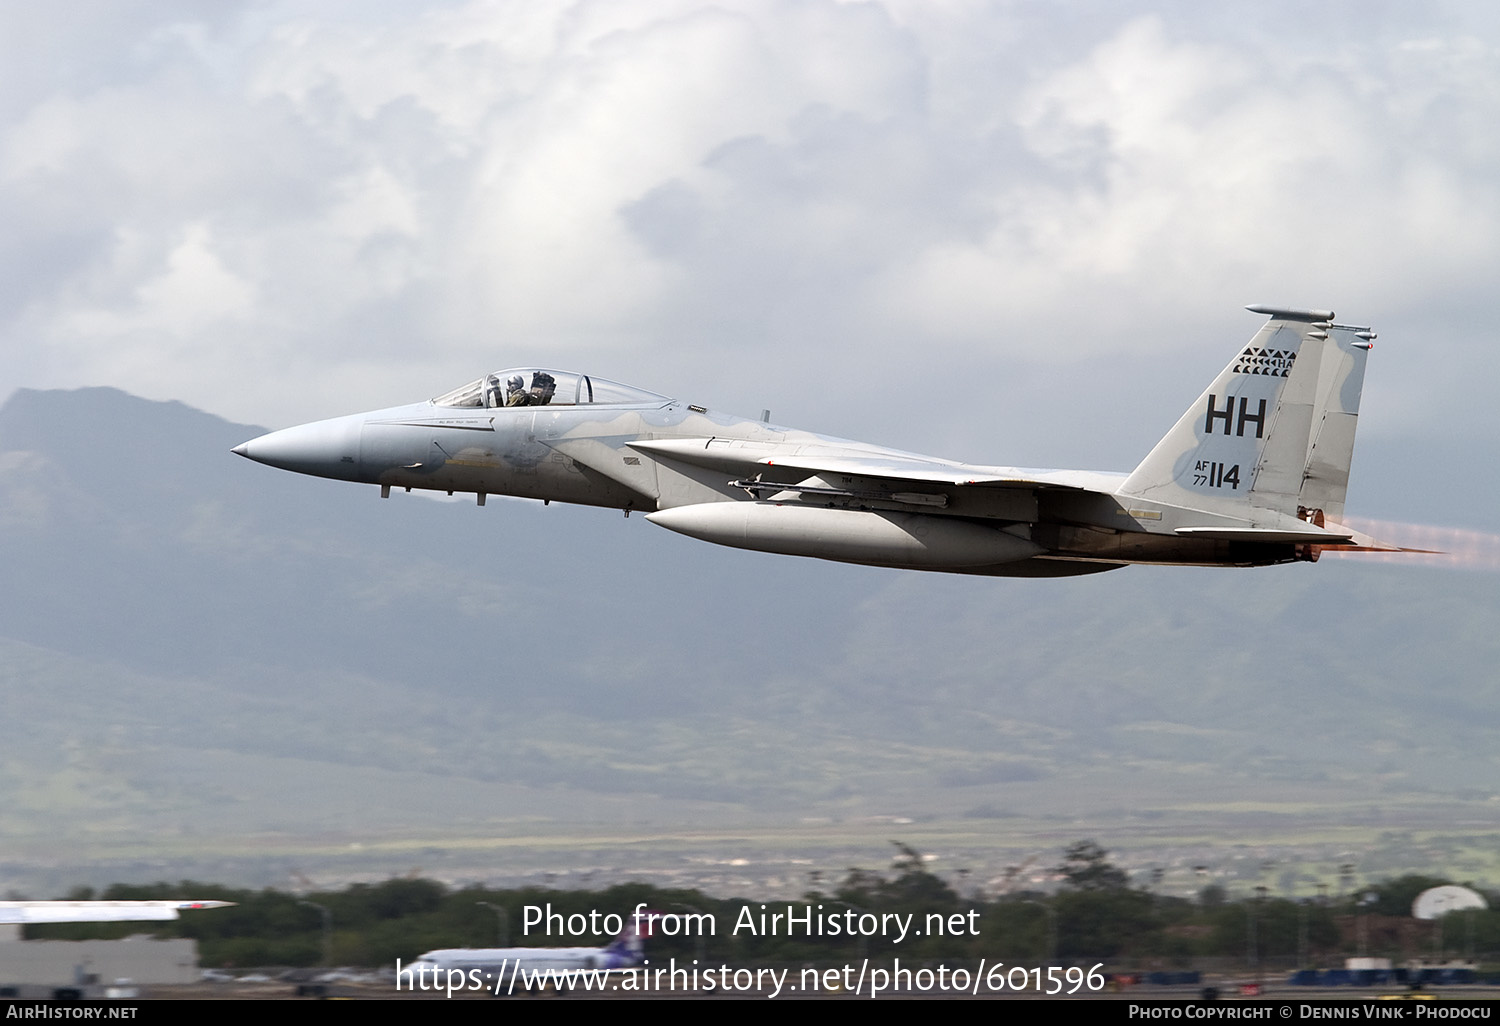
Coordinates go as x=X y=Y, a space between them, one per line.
x=1339 y=539
x=1268 y=535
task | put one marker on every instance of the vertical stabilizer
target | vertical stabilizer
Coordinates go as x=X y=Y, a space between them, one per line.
x=1340 y=382
x=1246 y=443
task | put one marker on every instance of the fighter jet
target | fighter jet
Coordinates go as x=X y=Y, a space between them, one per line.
x=1253 y=473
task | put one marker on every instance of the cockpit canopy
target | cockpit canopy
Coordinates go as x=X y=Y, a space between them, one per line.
x=532 y=386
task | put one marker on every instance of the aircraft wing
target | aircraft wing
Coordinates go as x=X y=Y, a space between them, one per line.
x=97 y=911
x=909 y=469
x=734 y=455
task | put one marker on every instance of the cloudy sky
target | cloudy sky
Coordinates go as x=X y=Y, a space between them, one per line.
x=1003 y=232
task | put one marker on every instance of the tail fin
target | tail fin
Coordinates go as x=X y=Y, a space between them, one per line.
x=1275 y=430
x=629 y=946
x=1325 y=481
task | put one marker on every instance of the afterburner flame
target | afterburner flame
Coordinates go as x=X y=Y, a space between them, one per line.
x=1445 y=546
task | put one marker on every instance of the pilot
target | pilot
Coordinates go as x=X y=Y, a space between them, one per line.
x=515 y=391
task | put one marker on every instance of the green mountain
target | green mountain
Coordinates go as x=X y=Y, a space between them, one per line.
x=211 y=668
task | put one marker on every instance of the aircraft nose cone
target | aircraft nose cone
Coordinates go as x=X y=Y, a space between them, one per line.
x=328 y=448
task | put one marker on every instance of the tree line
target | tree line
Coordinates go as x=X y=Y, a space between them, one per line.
x=1093 y=913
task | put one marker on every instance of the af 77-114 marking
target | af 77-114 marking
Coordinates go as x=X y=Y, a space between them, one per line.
x=1253 y=473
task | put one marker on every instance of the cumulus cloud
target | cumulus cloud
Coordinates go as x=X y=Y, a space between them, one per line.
x=280 y=211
